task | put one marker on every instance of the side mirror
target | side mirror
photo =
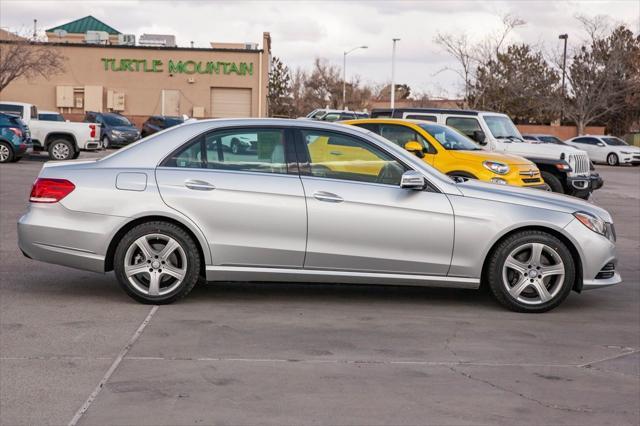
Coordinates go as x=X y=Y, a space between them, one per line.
x=600 y=144
x=412 y=180
x=480 y=137
x=415 y=148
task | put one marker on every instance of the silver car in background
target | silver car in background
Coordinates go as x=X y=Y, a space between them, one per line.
x=314 y=202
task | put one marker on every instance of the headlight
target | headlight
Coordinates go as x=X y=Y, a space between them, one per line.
x=116 y=133
x=496 y=167
x=592 y=222
x=626 y=152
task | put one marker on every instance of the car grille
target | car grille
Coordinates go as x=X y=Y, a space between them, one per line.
x=580 y=164
x=607 y=272
x=531 y=180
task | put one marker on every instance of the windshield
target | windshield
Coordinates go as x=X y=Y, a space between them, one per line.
x=615 y=141
x=116 y=120
x=502 y=127
x=173 y=121
x=449 y=138
x=551 y=139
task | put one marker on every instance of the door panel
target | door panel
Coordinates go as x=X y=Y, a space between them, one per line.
x=377 y=228
x=251 y=212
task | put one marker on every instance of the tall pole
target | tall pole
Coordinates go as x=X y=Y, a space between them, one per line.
x=35 y=29
x=344 y=74
x=393 y=73
x=564 y=72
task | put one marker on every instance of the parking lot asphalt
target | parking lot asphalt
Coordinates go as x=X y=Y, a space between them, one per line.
x=75 y=348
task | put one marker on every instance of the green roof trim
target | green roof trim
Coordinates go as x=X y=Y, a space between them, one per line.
x=82 y=25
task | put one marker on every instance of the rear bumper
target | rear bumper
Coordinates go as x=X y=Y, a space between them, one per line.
x=51 y=233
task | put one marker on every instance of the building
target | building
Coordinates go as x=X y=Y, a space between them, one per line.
x=229 y=80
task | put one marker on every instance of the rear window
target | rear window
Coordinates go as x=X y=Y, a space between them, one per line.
x=50 y=117
x=8 y=120
x=12 y=109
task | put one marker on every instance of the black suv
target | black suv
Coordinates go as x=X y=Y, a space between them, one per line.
x=115 y=129
x=156 y=123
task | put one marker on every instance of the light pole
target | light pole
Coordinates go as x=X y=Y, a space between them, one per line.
x=393 y=73
x=564 y=72
x=344 y=74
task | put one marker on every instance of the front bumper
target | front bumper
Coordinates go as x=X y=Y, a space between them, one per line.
x=596 y=252
x=123 y=140
x=584 y=185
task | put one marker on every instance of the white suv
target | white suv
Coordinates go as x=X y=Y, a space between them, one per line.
x=607 y=149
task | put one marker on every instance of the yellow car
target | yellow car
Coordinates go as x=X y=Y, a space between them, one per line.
x=453 y=153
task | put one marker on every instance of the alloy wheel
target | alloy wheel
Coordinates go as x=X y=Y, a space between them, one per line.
x=155 y=264
x=533 y=273
x=4 y=153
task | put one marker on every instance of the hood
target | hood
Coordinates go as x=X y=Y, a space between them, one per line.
x=627 y=148
x=530 y=197
x=123 y=128
x=488 y=155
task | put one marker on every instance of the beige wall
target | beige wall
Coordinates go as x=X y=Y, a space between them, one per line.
x=143 y=90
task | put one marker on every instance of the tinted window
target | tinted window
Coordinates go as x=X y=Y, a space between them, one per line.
x=9 y=120
x=50 y=117
x=464 y=124
x=252 y=150
x=116 y=120
x=400 y=135
x=551 y=139
x=340 y=156
x=332 y=116
x=172 y=121
x=12 y=109
x=369 y=126
x=586 y=141
x=530 y=138
x=449 y=138
x=422 y=117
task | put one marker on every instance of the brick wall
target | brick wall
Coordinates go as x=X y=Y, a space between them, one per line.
x=562 y=132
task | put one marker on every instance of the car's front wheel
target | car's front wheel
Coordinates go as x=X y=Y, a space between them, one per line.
x=612 y=159
x=105 y=142
x=157 y=263
x=531 y=271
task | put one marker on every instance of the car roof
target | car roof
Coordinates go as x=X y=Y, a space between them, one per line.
x=470 y=112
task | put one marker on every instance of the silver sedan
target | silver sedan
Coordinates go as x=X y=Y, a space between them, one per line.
x=314 y=202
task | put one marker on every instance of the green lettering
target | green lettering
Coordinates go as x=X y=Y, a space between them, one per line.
x=251 y=68
x=113 y=65
x=105 y=62
x=156 y=64
x=234 y=68
x=200 y=69
x=190 y=64
x=175 y=68
x=225 y=66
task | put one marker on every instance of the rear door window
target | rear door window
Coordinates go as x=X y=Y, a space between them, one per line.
x=423 y=117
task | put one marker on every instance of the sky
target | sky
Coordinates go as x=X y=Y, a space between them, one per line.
x=304 y=30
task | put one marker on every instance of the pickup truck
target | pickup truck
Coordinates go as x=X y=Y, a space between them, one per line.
x=565 y=169
x=62 y=140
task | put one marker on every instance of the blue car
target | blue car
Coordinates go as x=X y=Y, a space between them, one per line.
x=14 y=138
x=115 y=129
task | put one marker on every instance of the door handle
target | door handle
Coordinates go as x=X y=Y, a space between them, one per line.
x=199 y=185
x=327 y=197
x=335 y=152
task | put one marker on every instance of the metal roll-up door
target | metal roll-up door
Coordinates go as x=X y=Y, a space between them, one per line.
x=230 y=103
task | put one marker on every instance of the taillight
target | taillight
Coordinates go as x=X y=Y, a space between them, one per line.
x=93 y=130
x=50 y=190
x=16 y=131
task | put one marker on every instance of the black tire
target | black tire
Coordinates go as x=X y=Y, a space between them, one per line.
x=106 y=143
x=498 y=286
x=189 y=251
x=6 y=155
x=552 y=181
x=61 y=150
x=16 y=159
x=463 y=175
x=612 y=159
x=76 y=154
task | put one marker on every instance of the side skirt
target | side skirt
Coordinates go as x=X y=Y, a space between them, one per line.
x=239 y=273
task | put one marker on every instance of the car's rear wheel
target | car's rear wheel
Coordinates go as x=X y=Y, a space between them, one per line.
x=157 y=263
x=461 y=175
x=61 y=149
x=552 y=181
x=612 y=159
x=105 y=142
x=531 y=271
x=6 y=153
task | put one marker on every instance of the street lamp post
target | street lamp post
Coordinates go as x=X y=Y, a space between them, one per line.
x=564 y=72
x=393 y=73
x=344 y=74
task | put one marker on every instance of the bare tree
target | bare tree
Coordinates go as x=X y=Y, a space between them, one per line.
x=21 y=58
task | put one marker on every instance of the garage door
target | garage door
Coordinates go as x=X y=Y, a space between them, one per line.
x=230 y=103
